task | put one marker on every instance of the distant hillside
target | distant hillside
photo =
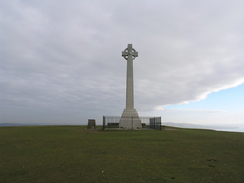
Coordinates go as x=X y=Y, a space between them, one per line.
x=17 y=124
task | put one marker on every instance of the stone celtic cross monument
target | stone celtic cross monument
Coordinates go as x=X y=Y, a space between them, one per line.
x=130 y=118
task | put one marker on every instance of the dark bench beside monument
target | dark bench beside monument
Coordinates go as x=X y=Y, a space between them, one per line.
x=113 y=125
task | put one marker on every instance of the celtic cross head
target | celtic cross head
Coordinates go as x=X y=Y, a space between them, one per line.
x=129 y=53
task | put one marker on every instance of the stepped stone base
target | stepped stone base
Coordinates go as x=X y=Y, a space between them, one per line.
x=130 y=119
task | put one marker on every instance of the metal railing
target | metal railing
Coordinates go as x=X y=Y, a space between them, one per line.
x=147 y=122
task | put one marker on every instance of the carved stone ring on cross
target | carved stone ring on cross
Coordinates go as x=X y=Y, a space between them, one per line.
x=126 y=53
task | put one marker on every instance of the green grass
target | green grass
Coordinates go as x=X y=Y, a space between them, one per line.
x=74 y=154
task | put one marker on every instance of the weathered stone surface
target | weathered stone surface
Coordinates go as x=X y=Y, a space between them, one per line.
x=91 y=124
x=130 y=119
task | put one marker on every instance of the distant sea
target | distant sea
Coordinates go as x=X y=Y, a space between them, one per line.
x=240 y=129
x=217 y=128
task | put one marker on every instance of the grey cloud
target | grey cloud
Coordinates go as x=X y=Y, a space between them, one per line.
x=63 y=58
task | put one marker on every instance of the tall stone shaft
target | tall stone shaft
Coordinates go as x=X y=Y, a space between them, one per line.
x=129 y=82
x=130 y=118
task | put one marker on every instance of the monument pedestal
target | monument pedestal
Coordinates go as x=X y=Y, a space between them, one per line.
x=130 y=119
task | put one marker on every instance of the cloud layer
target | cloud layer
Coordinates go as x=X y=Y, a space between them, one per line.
x=60 y=61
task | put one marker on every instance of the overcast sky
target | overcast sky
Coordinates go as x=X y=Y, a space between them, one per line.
x=61 y=63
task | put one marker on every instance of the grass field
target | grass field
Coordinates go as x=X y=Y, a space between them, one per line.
x=70 y=154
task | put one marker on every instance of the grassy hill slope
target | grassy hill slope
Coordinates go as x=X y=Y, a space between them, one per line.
x=70 y=154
